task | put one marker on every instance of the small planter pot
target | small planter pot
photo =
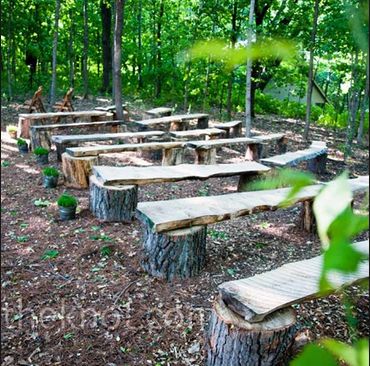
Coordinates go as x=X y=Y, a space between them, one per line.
x=23 y=149
x=42 y=159
x=67 y=213
x=49 y=182
x=12 y=134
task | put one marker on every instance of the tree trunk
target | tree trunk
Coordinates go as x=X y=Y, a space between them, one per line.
x=140 y=46
x=106 y=16
x=71 y=52
x=55 y=49
x=232 y=341
x=311 y=71
x=364 y=106
x=112 y=203
x=248 y=97
x=85 y=50
x=117 y=59
x=159 y=51
x=9 y=51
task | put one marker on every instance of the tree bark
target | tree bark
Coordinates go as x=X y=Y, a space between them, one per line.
x=9 y=51
x=311 y=71
x=106 y=16
x=233 y=341
x=159 y=51
x=71 y=52
x=365 y=103
x=117 y=59
x=55 y=50
x=248 y=97
x=85 y=50
x=140 y=46
x=112 y=204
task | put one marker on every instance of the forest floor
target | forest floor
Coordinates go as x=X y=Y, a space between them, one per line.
x=93 y=305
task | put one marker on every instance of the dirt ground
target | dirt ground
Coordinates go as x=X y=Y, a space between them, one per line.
x=93 y=305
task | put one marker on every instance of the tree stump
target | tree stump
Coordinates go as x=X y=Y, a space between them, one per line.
x=236 y=131
x=174 y=254
x=24 y=125
x=254 y=152
x=282 y=146
x=112 y=203
x=173 y=156
x=205 y=156
x=232 y=341
x=39 y=138
x=246 y=181
x=77 y=170
x=61 y=148
x=318 y=164
x=203 y=123
x=307 y=219
x=177 y=126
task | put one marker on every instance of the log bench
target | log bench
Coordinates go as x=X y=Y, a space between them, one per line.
x=112 y=109
x=176 y=122
x=182 y=224
x=256 y=313
x=316 y=156
x=26 y=120
x=40 y=134
x=232 y=128
x=159 y=112
x=113 y=190
x=206 y=150
x=207 y=133
x=63 y=141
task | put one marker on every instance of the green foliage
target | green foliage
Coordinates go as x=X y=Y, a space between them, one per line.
x=50 y=254
x=40 y=151
x=41 y=203
x=67 y=200
x=50 y=172
x=21 y=142
x=5 y=163
x=106 y=251
x=314 y=355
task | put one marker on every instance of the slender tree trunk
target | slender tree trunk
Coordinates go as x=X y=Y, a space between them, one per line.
x=9 y=51
x=234 y=38
x=140 y=45
x=186 y=91
x=106 y=16
x=311 y=71
x=117 y=59
x=364 y=106
x=71 y=51
x=55 y=49
x=159 y=51
x=248 y=97
x=206 y=86
x=86 y=50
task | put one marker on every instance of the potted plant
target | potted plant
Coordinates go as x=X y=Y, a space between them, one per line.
x=22 y=146
x=50 y=177
x=12 y=131
x=67 y=206
x=42 y=155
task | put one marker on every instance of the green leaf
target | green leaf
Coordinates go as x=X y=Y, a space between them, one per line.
x=362 y=348
x=50 y=254
x=68 y=336
x=327 y=205
x=341 y=350
x=5 y=164
x=313 y=355
x=106 y=251
x=42 y=203
x=22 y=238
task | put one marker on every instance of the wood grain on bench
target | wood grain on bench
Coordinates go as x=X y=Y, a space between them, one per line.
x=164 y=216
x=157 y=174
x=197 y=133
x=256 y=297
x=76 y=125
x=35 y=116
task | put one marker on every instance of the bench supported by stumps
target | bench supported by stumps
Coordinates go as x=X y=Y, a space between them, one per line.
x=232 y=129
x=112 y=109
x=316 y=156
x=159 y=112
x=253 y=323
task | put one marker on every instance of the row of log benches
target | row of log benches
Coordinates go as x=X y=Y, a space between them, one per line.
x=252 y=321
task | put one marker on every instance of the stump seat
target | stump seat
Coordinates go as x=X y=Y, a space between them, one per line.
x=159 y=112
x=258 y=309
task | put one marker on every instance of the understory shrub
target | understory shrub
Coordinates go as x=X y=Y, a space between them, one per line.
x=50 y=172
x=67 y=200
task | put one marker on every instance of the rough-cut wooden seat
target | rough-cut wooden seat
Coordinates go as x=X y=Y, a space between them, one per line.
x=206 y=150
x=106 y=179
x=40 y=134
x=176 y=122
x=183 y=213
x=168 y=254
x=232 y=128
x=112 y=109
x=159 y=112
x=255 y=310
x=63 y=141
x=209 y=133
x=316 y=154
x=26 y=120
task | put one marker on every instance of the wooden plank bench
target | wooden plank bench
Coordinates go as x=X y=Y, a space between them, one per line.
x=257 y=309
x=232 y=128
x=206 y=150
x=183 y=222
x=159 y=112
x=26 y=120
x=63 y=141
x=112 y=109
x=176 y=122
x=40 y=134
x=113 y=190
x=316 y=156
x=208 y=133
